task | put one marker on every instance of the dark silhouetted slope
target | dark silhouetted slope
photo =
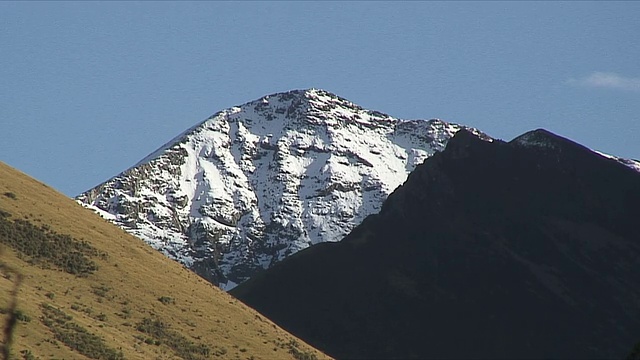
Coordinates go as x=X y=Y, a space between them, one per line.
x=526 y=249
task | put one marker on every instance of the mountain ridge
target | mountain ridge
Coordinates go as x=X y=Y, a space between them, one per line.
x=488 y=250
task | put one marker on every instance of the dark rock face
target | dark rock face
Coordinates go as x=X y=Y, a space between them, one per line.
x=526 y=249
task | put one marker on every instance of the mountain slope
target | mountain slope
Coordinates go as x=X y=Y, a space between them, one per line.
x=526 y=249
x=256 y=183
x=89 y=286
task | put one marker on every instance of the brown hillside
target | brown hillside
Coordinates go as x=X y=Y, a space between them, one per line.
x=137 y=304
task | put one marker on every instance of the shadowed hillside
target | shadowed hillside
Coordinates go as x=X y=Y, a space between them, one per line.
x=526 y=249
x=90 y=290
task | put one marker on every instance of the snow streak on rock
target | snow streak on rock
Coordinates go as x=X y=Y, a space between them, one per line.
x=256 y=183
x=634 y=164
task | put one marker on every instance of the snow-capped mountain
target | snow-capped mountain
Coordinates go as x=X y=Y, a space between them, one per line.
x=255 y=183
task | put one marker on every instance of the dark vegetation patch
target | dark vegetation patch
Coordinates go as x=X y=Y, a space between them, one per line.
x=42 y=246
x=160 y=333
x=83 y=308
x=28 y=355
x=75 y=336
x=18 y=314
x=10 y=195
x=294 y=350
x=167 y=300
x=21 y=316
x=100 y=290
x=14 y=315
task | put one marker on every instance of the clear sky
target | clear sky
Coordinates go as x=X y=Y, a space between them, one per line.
x=90 y=88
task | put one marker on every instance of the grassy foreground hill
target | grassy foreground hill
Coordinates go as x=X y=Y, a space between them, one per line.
x=87 y=289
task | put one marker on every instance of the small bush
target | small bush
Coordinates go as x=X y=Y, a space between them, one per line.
x=220 y=351
x=10 y=195
x=21 y=316
x=28 y=355
x=299 y=354
x=126 y=313
x=167 y=300
x=101 y=290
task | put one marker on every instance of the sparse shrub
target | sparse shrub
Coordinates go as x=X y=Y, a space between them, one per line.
x=182 y=346
x=21 y=316
x=75 y=336
x=167 y=300
x=299 y=354
x=126 y=313
x=83 y=308
x=10 y=195
x=50 y=295
x=27 y=355
x=152 y=341
x=101 y=290
x=219 y=351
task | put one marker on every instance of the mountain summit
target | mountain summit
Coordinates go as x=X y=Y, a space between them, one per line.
x=256 y=183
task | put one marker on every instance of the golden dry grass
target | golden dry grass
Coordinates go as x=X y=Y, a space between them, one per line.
x=134 y=276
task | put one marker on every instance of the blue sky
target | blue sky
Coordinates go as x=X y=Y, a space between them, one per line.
x=90 y=88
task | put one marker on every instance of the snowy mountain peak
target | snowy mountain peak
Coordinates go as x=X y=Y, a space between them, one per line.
x=255 y=183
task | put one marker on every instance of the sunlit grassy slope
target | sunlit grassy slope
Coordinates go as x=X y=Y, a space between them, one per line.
x=137 y=305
